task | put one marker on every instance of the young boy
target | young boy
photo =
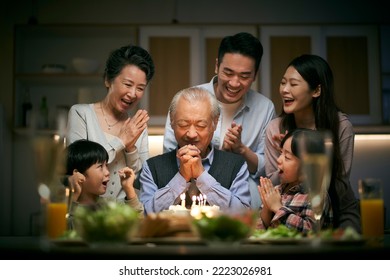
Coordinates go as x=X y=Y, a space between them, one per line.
x=86 y=166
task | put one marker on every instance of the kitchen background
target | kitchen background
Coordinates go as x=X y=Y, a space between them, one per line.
x=19 y=202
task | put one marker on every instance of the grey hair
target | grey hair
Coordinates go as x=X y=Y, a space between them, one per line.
x=194 y=94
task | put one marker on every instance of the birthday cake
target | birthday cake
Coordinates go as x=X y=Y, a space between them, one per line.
x=176 y=220
x=180 y=209
x=199 y=205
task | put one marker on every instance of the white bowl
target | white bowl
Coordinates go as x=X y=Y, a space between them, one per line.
x=53 y=68
x=85 y=65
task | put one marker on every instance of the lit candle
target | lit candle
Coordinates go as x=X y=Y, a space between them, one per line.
x=183 y=199
x=193 y=200
x=204 y=199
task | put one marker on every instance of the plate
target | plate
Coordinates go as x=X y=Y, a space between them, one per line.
x=279 y=241
x=167 y=241
x=135 y=241
x=349 y=242
x=68 y=242
x=308 y=241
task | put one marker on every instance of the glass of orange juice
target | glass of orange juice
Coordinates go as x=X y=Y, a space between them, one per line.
x=49 y=168
x=56 y=221
x=54 y=200
x=371 y=208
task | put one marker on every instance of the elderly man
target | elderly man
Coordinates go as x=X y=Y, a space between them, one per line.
x=195 y=164
x=245 y=113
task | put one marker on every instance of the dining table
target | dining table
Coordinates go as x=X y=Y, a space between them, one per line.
x=36 y=247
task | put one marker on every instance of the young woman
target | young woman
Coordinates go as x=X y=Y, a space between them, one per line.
x=307 y=91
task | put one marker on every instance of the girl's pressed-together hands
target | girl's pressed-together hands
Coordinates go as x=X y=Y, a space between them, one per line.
x=270 y=196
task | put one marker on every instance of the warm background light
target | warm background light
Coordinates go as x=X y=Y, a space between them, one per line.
x=155 y=145
x=363 y=137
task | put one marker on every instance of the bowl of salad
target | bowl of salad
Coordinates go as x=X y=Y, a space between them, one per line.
x=111 y=222
x=224 y=227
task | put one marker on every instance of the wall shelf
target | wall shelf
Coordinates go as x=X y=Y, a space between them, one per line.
x=372 y=129
x=38 y=45
x=71 y=79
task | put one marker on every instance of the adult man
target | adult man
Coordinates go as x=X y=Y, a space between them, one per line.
x=245 y=112
x=221 y=176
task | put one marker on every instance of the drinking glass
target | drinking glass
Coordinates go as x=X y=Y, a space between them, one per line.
x=49 y=166
x=316 y=151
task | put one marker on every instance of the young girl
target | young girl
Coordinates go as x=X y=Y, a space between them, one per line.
x=86 y=166
x=288 y=202
x=307 y=90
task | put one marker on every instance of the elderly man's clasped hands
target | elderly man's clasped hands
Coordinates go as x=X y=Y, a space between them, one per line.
x=190 y=162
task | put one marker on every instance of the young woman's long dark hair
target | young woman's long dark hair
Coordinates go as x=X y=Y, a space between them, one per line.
x=317 y=72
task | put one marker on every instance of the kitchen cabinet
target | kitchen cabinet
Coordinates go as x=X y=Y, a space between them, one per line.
x=351 y=51
x=184 y=56
x=43 y=64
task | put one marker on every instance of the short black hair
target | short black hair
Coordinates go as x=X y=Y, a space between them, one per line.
x=82 y=154
x=242 y=43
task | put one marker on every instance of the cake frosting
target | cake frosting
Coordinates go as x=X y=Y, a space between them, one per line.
x=199 y=206
x=203 y=208
x=194 y=211
x=178 y=208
